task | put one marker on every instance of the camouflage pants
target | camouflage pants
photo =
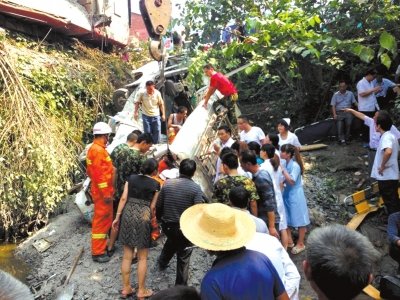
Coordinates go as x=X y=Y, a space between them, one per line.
x=229 y=105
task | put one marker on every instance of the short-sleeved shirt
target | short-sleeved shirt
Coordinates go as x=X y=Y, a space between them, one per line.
x=228 y=143
x=391 y=172
x=222 y=84
x=367 y=103
x=343 y=100
x=261 y=227
x=223 y=186
x=242 y=274
x=176 y=196
x=255 y=134
x=226 y=36
x=290 y=139
x=127 y=161
x=265 y=189
x=375 y=136
x=385 y=85
x=150 y=103
x=142 y=187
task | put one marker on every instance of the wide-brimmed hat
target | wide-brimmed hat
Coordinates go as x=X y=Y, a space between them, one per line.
x=217 y=226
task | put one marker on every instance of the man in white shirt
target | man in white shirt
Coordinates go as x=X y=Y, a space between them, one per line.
x=224 y=140
x=374 y=135
x=239 y=198
x=273 y=249
x=249 y=133
x=385 y=168
x=367 y=103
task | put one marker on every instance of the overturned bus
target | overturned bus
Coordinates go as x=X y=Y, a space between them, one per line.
x=193 y=140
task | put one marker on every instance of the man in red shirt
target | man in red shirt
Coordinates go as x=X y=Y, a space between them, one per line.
x=221 y=83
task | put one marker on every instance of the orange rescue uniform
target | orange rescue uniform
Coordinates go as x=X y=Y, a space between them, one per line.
x=101 y=172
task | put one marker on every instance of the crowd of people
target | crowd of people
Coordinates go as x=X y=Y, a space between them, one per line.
x=373 y=94
x=258 y=175
x=379 y=135
x=258 y=200
x=258 y=203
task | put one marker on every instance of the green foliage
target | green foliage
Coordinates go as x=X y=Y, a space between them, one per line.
x=50 y=98
x=302 y=46
x=387 y=43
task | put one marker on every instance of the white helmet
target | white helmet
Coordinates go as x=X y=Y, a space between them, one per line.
x=101 y=128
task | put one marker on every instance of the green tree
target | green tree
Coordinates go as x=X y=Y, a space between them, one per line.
x=298 y=49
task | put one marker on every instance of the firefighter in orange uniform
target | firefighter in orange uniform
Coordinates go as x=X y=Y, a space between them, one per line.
x=101 y=172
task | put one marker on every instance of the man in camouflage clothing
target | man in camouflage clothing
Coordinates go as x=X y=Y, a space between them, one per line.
x=223 y=186
x=128 y=160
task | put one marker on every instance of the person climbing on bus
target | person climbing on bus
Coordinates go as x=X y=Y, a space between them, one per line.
x=220 y=82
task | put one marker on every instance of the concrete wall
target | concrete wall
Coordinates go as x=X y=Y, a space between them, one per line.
x=79 y=12
x=138 y=29
x=67 y=9
x=119 y=13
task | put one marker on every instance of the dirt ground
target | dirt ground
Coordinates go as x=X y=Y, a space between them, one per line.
x=331 y=174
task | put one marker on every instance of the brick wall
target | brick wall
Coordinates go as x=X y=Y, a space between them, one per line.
x=138 y=29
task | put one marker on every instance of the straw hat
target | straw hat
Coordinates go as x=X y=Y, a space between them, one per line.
x=217 y=226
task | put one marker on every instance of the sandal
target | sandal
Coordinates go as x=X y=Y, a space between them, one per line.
x=297 y=250
x=147 y=293
x=111 y=251
x=127 y=295
x=290 y=245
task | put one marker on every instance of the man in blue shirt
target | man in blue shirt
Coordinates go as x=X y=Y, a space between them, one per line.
x=237 y=273
x=226 y=36
x=388 y=89
x=242 y=274
x=267 y=208
x=341 y=100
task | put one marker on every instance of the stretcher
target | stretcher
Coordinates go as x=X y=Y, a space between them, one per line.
x=365 y=202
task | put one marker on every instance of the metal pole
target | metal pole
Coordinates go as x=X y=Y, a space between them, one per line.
x=162 y=78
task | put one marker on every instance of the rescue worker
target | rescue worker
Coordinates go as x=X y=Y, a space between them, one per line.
x=221 y=83
x=101 y=172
